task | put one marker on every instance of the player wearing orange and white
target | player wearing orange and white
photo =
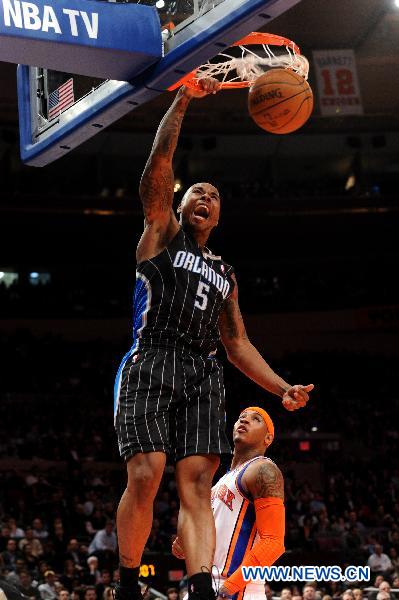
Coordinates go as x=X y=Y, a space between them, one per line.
x=248 y=507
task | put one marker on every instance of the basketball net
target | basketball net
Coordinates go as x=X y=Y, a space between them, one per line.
x=252 y=65
x=257 y=52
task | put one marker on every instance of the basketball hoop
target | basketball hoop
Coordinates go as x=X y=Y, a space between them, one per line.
x=256 y=56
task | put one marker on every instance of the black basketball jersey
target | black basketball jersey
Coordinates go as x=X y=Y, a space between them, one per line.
x=178 y=297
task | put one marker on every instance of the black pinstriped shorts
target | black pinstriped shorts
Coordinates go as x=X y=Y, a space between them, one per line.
x=172 y=402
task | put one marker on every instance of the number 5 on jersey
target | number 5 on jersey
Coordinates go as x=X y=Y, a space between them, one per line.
x=202 y=298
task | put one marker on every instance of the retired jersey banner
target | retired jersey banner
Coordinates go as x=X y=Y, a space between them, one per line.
x=337 y=82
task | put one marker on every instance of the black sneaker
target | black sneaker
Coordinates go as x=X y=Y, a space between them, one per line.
x=211 y=595
x=121 y=593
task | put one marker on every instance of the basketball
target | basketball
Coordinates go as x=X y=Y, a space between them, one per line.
x=280 y=101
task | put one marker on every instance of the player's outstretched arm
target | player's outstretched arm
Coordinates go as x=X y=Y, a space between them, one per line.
x=243 y=354
x=264 y=482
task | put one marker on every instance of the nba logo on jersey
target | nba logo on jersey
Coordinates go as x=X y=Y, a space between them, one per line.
x=222 y=268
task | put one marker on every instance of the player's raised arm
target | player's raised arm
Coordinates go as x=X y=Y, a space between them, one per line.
x=265 y=484
x=242 y=354
x=157 y=182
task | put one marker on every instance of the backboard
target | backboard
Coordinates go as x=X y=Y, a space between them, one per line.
x=59 y=110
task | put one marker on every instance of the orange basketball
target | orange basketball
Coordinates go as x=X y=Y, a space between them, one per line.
x=280 y=101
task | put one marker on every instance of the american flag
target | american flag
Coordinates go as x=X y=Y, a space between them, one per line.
x=60 y=99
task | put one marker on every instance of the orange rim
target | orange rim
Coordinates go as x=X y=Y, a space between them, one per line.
x=252 y=39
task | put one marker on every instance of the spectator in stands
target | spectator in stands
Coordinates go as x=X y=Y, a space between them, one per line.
x=172 y=594
x=339 y=525
x=395 y=582
x=50 y=556
x=353 y=543
x=385 y=588
x=4 y=537
x=58 y=588
x=323 y=523
x=59 y=538
x=13 y=577
x=39 y=530
x=379 y=562
x=69 y=578
x=379 y=579
x=382 y=596
x=26 y=586
x=94 y=575
x=317 y=503
x=105 y=539
x=29 y=558
x=96 y=522
x=36 y=545
x=309 y=591
x=354 y=522
x=63 y=595
x=393 y=535
x=73 y=551
x=306 y=533
x=48 y=589
x=15 y=531
x=90 y=594
x=286 y=594
x=104 y=583
x=394 y=557
x=10 y=555
x=358 y=594
x=268 y=592
x=348 y=595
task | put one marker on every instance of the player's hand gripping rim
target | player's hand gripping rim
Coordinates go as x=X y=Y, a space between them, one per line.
x=297 y=396
x=205 y=87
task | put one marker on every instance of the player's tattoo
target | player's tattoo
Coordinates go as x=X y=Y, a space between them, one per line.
x=168 y=131
x=156 y=189
x=269 y=481
x=157 y=182
x=233 y=321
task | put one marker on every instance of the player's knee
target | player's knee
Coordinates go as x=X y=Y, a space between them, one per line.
x=197 y=489
x=143 y=482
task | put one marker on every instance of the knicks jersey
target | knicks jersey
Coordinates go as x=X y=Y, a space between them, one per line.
x=235 y=522
x=178 y=297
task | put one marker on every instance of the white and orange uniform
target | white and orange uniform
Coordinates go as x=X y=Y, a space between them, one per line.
x=236 y=532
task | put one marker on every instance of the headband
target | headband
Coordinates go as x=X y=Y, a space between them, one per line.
x=264 y=415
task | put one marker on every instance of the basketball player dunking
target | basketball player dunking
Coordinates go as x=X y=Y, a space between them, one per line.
x=169 y=395
x=248 y=506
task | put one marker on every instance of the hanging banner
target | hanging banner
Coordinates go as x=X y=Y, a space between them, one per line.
x=337 y=82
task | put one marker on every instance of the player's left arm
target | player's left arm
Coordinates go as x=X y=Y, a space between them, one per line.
x=264 y=482
x=243 y=355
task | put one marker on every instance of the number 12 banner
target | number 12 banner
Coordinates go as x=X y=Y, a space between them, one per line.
x=337 y=82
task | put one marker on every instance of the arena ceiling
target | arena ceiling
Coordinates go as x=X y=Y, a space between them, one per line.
x=370 y=27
